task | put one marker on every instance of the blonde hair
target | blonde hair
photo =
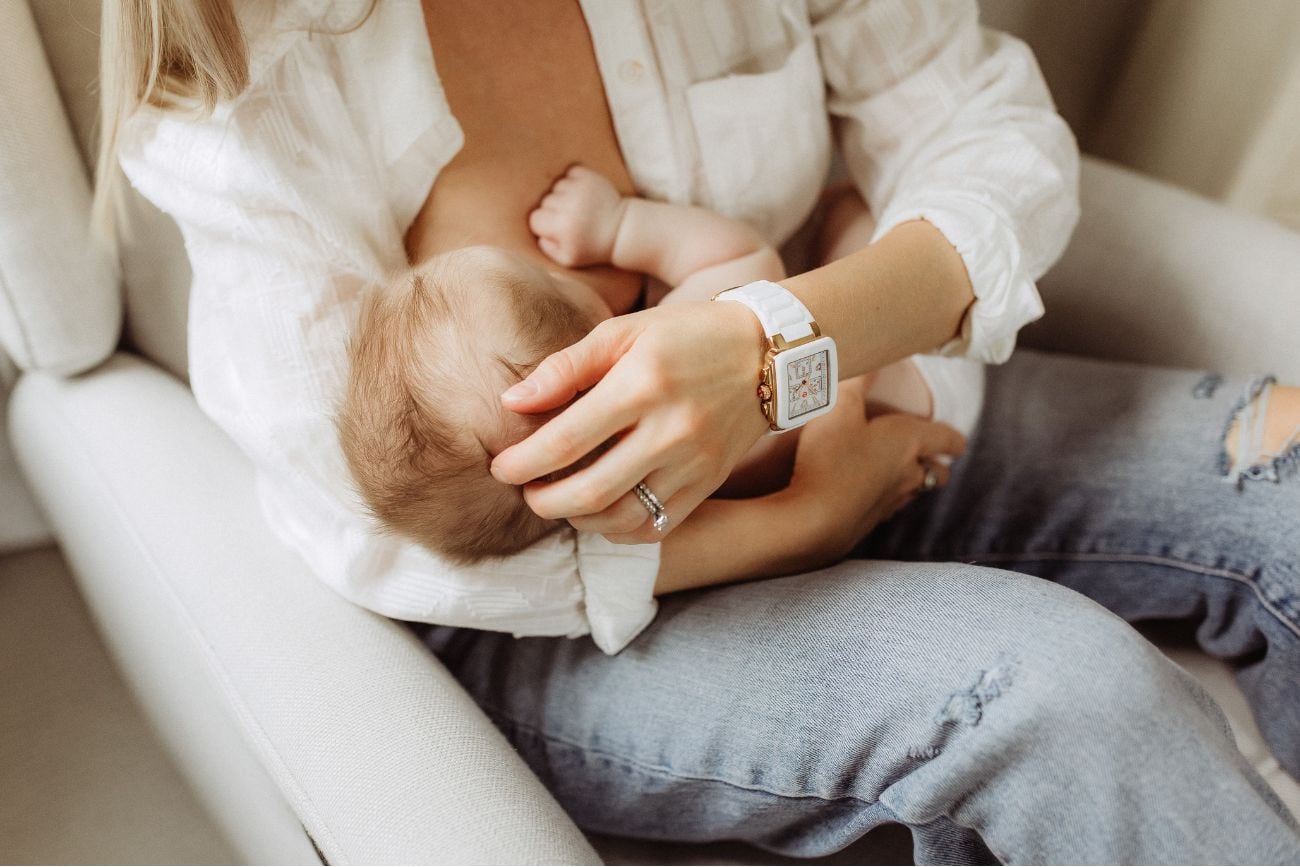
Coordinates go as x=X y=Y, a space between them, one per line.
x=183 y=55
x=175 y=54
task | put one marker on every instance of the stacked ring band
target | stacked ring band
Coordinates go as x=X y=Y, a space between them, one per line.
x=652 y=505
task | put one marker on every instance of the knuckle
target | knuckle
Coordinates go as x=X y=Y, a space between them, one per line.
x=639 y=398
x=564 y=446
x=685 y=430
x=630 y=522
x=658 y=376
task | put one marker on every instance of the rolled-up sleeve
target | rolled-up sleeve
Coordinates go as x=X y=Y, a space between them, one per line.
x=945 y=121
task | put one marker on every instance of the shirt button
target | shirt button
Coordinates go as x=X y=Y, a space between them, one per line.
x=631 y=71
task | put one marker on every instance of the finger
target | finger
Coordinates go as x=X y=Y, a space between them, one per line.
x=938 y=438
x=563 y=374
x=678 y=507
x=596 y=487
x=554 y=251
x=628 y=514
x=591 y=420
x=543 y=221
x=624 y=516
x=932 y=473
x=941 y=473
x=913 y=482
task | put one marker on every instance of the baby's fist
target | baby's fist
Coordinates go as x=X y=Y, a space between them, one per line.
x=578 y=220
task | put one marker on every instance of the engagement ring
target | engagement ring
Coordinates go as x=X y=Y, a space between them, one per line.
x=652 y=505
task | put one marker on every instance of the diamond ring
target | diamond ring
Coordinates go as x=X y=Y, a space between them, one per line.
x=652 y=505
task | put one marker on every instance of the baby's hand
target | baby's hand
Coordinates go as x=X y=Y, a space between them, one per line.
x=577 y=223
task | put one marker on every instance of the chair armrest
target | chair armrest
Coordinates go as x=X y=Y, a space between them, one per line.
x=1157 y=274
x=372 y=744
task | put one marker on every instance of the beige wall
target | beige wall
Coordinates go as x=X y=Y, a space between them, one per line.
x=1202 y=93
x=1210 y=99
x=1081 y=46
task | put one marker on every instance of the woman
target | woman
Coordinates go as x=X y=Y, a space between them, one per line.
x=996 y=714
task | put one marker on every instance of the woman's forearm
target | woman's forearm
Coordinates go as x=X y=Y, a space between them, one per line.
x=735 y=540
x=906 y=293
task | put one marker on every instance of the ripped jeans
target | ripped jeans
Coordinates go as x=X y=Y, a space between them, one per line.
x=1001 y=715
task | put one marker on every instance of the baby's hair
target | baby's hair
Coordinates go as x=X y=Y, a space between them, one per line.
x=420 y=469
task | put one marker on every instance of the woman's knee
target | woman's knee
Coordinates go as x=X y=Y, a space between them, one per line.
x=962 y=638
x=986 y=636
x=1263 y=438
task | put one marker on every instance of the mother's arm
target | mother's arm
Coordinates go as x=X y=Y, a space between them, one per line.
x=952 y=138
x=850 y=473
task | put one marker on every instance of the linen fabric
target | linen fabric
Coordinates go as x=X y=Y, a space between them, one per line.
x=294 y=196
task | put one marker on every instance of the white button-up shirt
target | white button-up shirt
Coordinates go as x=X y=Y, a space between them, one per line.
x=294 y=196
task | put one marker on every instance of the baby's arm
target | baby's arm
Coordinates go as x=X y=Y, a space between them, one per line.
x=584 y=221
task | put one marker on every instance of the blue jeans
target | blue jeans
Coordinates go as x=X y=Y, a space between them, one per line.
x=1008 y=715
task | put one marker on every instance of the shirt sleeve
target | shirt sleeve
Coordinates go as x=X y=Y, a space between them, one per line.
x=285 y=224
x=942 y=120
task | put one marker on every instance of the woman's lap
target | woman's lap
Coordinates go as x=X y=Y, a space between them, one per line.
x=798 y=713
x=1108 y=479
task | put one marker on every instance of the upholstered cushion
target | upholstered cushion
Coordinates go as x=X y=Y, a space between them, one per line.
x=155 y=270
x=283 y=702
x=1159 y=275
x=60 y=308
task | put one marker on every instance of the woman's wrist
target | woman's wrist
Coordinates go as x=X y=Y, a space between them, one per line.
x=740 y=320
x=724 y=541
x=906 y=293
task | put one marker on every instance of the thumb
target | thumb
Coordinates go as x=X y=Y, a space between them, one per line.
x=563 y=374
x=939 y=439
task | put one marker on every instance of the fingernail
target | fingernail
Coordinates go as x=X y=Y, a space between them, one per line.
x=520 y=391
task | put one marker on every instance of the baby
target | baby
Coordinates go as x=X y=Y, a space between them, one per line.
x=422 y=420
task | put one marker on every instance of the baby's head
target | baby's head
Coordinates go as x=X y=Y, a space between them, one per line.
x=422 y=418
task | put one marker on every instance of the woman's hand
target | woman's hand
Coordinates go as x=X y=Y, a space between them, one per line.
x=852 y=472
x=679 y=382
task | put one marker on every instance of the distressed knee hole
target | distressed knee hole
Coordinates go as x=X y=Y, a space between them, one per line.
x=1261 y=441
x=966 y=706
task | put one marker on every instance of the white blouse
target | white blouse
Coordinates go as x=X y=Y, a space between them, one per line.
x=294 y=196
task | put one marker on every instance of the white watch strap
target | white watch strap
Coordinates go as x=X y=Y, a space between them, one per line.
x=776 y=308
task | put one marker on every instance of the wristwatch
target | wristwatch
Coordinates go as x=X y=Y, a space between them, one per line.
x=800 y=373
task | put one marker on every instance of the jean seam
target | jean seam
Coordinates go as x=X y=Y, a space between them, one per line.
x=663 y=771
x=1152 y=559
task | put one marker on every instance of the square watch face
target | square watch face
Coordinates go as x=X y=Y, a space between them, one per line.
x=807 y=384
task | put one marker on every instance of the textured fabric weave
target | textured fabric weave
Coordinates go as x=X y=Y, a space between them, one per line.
x=60 y=309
